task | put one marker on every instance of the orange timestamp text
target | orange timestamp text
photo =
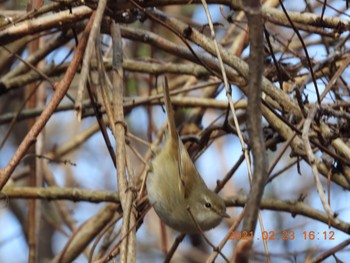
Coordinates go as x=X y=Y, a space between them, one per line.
x=282 y=235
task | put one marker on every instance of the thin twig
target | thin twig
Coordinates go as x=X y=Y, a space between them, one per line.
x=61 y=90
x=312 y=160
x=88 y=55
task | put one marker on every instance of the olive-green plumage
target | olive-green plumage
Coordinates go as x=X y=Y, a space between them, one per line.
x=174 y=185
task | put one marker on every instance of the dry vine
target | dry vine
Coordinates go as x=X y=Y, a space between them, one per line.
x=98 y=62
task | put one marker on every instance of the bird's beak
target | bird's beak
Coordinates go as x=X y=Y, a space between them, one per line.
x=225 y=214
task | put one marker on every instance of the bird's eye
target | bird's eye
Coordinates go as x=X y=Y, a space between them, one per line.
x=207 y=205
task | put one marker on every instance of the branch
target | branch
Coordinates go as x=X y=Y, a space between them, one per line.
x=60 y=92
x=58 y=193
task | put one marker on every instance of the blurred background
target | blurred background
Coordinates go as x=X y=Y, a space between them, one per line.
x=72 y=154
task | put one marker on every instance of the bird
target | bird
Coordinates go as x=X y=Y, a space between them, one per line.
x=176 y=190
